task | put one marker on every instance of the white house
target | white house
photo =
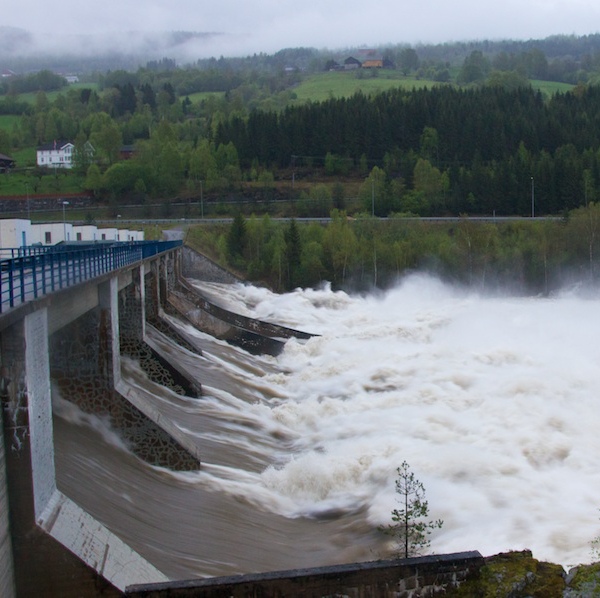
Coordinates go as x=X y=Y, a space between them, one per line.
x=59 y=154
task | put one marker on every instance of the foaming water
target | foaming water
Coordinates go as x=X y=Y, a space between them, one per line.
x=492 y=401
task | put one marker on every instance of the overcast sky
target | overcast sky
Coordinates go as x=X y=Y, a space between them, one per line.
x=269 y=25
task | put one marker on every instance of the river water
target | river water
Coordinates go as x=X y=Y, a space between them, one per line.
x=493 y=401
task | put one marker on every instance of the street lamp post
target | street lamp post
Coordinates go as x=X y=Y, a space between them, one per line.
x=373 y=199
x=201 y=202
x=64 y=204
x=532 y=198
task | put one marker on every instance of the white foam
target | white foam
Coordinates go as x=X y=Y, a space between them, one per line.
x=492 y=401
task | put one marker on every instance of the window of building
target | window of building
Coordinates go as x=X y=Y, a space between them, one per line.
x=79 y=236
x=48 y=238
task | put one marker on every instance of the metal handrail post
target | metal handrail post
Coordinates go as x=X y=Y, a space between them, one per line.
x=43 y=263
x=22 y=275
x=34 y=275
x=11 y=286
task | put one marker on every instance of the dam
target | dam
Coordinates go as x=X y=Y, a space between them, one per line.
x=191 y=439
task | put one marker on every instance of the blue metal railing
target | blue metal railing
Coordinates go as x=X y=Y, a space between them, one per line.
x=34 y=271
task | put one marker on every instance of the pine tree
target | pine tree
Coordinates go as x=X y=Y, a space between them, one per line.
x=236 y=239
x=410 y=527
x=293 y=251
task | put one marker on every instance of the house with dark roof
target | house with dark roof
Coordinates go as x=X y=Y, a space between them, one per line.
x=127 y=152
x=59 y=154
x=6 y=163
x=352 y=63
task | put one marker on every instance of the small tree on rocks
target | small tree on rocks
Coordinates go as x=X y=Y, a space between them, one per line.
x=410 y=527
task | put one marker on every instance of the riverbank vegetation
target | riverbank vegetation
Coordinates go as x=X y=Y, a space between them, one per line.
x=526 y=256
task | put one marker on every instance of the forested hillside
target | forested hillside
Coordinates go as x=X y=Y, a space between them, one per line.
x=479 y=139
x=443 y=150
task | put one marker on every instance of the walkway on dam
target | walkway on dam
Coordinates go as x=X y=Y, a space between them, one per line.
x=30 y=272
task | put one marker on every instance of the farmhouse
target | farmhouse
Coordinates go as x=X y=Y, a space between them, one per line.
x=351 y=63
x=6 y=163
x=59 y=154
x=373 y=63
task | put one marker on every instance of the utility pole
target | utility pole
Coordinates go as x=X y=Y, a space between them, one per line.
x=64 y=204
x=373 y=198
x=201 y=202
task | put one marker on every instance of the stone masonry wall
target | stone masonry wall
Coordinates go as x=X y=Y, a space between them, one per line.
x=79 y=366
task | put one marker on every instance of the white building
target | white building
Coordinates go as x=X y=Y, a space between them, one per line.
x=59 y=154
x=15 y=232
x=51 y=233
x=136 y=235
x=108 y=234
x=130 y=235
x=86 y=232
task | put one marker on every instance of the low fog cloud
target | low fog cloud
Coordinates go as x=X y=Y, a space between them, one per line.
x=269 y=25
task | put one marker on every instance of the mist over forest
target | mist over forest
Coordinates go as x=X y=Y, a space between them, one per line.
x=23 y=51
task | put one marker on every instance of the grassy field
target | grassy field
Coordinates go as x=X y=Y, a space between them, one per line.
x=52 y=95
x=18 y=183
x=204 y=95
x=322 y=86
x=24 y=157
x=7 y=121
x=549 y=88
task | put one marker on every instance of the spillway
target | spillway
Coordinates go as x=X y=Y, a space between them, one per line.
x=493 y=401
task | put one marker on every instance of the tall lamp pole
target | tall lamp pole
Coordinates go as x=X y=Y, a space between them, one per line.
x=532 y=198
x=64 y=204
x=373 y=199
x=201 y=202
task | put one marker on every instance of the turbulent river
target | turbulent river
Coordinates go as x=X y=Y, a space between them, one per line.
x=493 y=401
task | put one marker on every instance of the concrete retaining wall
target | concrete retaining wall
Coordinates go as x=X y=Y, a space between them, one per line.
x=198 y=266
x=406 y=578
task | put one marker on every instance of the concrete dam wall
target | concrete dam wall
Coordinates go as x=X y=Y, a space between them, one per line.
x=102 y=346
x=72 y=343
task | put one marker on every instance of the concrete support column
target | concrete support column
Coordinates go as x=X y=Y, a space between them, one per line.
x=108 y=334
x=132 y=316
x=162 y=277
x=152 y=289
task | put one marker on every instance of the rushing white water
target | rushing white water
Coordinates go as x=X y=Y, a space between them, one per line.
x=492 y=401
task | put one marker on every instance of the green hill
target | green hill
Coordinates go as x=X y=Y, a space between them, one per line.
x=322 y=86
